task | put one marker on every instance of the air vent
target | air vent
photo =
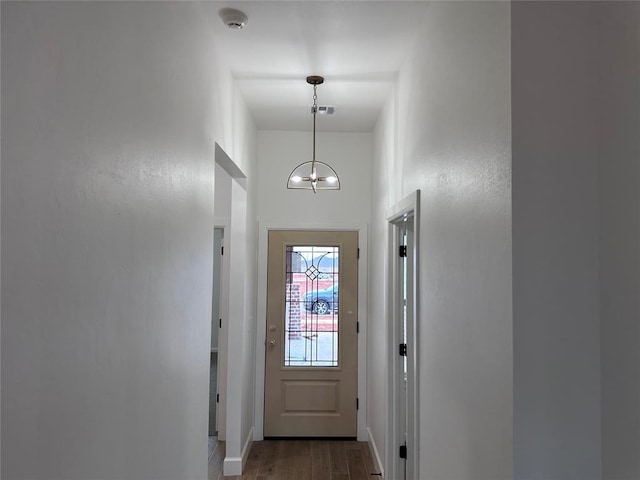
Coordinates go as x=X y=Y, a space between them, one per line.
x=325 y=109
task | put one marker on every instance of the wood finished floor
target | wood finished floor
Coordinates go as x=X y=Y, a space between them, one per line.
x=301 y=460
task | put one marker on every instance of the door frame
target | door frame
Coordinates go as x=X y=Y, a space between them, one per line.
x=409 y=206
x=261 y=327
x=223 y=308
x=223 y=334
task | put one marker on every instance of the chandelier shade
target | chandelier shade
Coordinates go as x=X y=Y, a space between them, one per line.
x=314 y=175
x=325 y=177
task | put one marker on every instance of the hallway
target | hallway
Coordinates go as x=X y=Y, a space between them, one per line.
x=138 y=137
x=301 y=460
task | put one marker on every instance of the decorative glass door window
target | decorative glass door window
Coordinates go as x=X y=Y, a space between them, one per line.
x=311 y=306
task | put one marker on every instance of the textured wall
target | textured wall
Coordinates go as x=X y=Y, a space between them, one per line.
x=108 y=115
x=447 y=133
x=348 y=153
x=619 y=192
x=576 y=107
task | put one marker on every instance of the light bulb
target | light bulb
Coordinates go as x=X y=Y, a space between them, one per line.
x=296 y=179
x=332 y=179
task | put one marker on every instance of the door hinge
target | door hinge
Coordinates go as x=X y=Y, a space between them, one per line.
x=358 y=252
x=221 y=250
x=217 y=398
x=357 y=403
x=402 y=351
x=402 y=250
x=357 y=327
x=219 y=323
x=403 y=451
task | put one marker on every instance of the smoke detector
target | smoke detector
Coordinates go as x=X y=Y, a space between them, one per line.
x=233 y=18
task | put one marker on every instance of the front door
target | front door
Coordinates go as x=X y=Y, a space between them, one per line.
x=312 y=343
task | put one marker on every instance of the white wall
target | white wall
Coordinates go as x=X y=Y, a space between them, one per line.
x=555 y=242
x=576 y=178
x=619 y=192
x=348 y=153
x=349 y=208
x=236 y=327
x=250 y=284
x=109 y=116
x=576 y=108
x=447 y=132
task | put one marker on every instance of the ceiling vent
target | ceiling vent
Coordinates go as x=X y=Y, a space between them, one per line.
x=325 y=109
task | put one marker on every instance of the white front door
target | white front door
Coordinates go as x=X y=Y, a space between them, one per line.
x=312 y=343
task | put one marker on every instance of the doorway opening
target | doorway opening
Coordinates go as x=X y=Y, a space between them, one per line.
x=402 y=452
x=230 y=221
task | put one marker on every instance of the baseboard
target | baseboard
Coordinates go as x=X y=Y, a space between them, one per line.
x=246 y=448
x=374 y=451
x=234 y=465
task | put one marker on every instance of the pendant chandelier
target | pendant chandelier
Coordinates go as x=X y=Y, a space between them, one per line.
x=314 y=175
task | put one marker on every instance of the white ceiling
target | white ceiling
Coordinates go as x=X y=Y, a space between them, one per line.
x=358 y=46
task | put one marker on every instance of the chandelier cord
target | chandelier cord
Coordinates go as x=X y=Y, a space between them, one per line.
x=315 y=111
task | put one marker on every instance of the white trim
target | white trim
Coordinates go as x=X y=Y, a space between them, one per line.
x=363 y=302
x=409 y=206
x=375 y=452
x=225 y=268
x=232 y=466
x=392 y=440
x=223 y=223
x=223 y=335
x=228 y=164
x=235 y=465
x=221 y=347
x=233 y=314
x=261 y=327
x=410 y=203
x=247 y=447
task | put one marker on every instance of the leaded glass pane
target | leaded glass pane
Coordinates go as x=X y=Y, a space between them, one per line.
x=311 y=313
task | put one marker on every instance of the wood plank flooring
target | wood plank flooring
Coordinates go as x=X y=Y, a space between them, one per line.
x=301 y=460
